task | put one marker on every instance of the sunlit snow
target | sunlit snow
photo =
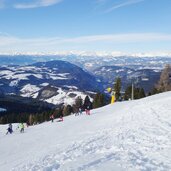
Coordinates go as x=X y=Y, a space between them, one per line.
x=126 y=136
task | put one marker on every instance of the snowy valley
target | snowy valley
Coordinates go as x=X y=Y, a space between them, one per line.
x=143 y=70
x=56 y=82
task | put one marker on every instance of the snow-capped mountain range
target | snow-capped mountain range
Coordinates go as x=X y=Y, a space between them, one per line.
x=89 y=61
x=39 y=76
x=56 y=82
x=93 y=53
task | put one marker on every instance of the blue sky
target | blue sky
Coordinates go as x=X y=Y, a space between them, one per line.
x=85 y=25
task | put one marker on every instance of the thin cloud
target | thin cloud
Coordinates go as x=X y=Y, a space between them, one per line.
x=40 y=43
x=24 y=4
x=120 y=38
x=36 y=4
x=49 y=2
x=127 y=3
x=101 y=1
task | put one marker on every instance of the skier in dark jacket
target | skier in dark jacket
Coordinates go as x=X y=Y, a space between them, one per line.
x=9 y=129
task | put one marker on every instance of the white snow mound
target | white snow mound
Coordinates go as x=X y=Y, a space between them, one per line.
x=125 y=136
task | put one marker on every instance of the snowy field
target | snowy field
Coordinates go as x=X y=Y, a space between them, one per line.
x=126 y=136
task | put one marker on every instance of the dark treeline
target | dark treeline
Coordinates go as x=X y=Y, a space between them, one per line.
x=19 y=108
x=163 y=85
x=35 y=113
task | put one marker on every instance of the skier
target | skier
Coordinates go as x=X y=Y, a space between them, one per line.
x=77 y=112
x=80 y=111
x=21 y=127
x=52 y=117
x=27 y=125
x=61 y=117
x=9 y=129
x=87 y=110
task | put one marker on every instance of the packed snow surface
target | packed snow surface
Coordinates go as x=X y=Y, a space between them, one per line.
x=66 y=97
x=125 y=136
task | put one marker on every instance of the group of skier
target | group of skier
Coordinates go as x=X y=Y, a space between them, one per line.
x=80 y=111
x=10 y=128
x=52 y=117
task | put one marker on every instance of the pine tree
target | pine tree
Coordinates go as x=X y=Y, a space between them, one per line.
x=67 y=110
x=154 y=91
x=31 y=120
x=164 y=83
x=138 y=93
x=46 y=116
x=102 y=100
x=96 y=101
x=141 y=93
x=78 y=104
x=35 y=118
x=99 y=100
x=87 y=103
x=128 y=93
x=2 y=120
x=59 y=111
x=117 y=88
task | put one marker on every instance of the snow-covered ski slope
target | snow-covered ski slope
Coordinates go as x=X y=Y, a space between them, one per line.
x=126 y=136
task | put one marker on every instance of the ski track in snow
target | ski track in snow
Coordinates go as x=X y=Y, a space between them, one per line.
x=136 y=138
x=97 y=151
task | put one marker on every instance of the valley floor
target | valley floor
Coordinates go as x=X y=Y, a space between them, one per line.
x=125 y=136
